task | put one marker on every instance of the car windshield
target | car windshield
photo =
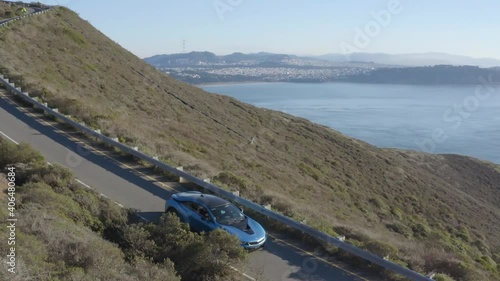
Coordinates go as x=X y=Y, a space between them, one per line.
x=227 y=214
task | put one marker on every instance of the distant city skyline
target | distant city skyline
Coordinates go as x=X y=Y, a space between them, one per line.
x=297 y=27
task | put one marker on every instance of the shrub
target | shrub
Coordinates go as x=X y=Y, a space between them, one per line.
x=377 y=202
x=74 y=36
x=40 y=194
x=137 y=242
x=231 y=180
x=23 y=153
x=381 y=248
x=400 y=228
x=196 y=256
x=442 y=277
x=488 y=263
x=146 y=270
x=283 y=206
x=56 y=176
x=310 y=171
x=463 y=233
x=421 y=230
x=482 y=246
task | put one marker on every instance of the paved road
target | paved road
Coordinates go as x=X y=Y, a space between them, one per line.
x=130 y=185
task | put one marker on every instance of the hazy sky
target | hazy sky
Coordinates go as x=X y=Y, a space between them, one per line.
x=149 y=27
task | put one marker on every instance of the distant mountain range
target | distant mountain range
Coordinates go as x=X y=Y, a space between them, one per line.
x=422 y=59
x=206 y=67
x=429 y=69
x=200 y=58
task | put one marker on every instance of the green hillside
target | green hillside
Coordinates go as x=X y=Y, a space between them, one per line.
x=8 y=11
x=430 y=212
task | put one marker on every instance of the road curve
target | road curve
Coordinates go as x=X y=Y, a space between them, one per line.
x=133 y=186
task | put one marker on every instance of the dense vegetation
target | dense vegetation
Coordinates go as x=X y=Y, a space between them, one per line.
x=431 y=75
x=430 y=212
x=9 y=11
x=64 y=231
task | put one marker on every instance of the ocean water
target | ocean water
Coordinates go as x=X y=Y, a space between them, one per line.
x=437 y=119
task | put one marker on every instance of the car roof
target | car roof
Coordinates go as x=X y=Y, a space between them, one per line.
x=209 y=200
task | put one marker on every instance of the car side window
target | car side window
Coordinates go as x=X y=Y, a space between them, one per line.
x=190 y=205
x=202 y=211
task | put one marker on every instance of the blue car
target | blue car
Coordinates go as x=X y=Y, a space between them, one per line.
x=204 y=212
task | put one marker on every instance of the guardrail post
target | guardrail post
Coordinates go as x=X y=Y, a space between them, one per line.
x=181 y=179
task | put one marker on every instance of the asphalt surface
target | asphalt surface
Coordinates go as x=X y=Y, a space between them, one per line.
x=133 y=186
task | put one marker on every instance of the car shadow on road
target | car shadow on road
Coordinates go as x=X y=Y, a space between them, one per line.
x=301 y=265
x=111 y=165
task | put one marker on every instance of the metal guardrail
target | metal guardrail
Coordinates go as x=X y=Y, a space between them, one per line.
x=219 y=191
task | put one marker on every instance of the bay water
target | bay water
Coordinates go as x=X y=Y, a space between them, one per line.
x=437 y=119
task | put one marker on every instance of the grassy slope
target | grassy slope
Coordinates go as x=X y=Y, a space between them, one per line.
x=8 y=11
x=341 y=185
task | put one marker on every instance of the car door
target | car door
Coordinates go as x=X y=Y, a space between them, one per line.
x=199 y=221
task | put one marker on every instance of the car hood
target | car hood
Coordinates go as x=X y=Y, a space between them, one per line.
x=247 y=230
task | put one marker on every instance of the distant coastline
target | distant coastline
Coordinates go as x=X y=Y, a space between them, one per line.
x=233 y=83
x=432 y=76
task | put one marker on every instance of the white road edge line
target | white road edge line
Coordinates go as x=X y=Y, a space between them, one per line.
x=9 y=138
x=84 y=184
x=143 y=218
x=102 y=194
x=244 y=274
